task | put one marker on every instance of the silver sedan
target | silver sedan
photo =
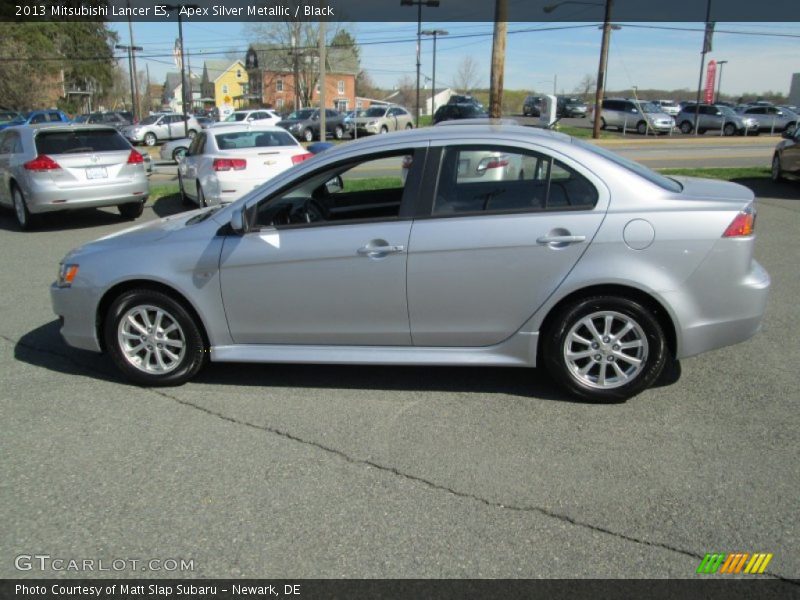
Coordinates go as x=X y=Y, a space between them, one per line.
x=593 y=266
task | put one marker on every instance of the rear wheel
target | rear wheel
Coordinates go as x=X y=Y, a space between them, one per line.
x=131 y=210
x=776 y=173
x=409 y=126
x=605 y=348
x=729 y=129
x=790 y=129
x=153 y=339
x=178 y=154
x=25 y=220
x=686 y=127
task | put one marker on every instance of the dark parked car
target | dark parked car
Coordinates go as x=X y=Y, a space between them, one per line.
x=449 y=112
x=532 y=106
x=304 y=124
x=113 y=118
x=465 y=99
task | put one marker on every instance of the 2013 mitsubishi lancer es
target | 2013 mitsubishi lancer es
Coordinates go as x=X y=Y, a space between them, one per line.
x=462 y=245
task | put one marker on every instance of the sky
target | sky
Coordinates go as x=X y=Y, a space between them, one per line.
x=639 y=55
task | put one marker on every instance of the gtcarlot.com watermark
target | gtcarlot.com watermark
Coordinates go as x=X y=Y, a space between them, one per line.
x=47 y=563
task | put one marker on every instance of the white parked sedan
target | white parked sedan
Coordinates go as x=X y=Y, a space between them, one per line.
x=224 y=163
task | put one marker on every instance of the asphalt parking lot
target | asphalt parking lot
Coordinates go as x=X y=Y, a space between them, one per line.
x=329 y=471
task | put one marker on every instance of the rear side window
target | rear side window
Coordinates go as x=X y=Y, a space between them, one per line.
x=481 y=179
x=637 y=168
x=66 y=142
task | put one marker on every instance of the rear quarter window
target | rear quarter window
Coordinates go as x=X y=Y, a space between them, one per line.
x=67 y=142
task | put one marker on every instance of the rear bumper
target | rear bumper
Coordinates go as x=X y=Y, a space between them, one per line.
x=42 y=199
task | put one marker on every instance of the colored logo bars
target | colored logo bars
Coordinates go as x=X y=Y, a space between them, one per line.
x=734 y=563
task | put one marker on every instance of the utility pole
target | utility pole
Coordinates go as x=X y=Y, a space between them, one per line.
x=129 y=50
x=296 y=57
x=498 y=58
x=136 y=106
x=322 y=86
x=177 y=7
x=720 y=64
x=706 y=48
x=601 y=72
x=435 y=33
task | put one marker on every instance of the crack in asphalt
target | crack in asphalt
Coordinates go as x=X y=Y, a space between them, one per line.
x=393 y=470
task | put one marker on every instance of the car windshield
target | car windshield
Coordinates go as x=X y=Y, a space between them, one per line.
x=375 y=111
x=149 y=120
x=241 y=140
x=727 y=111
x=77 y=141
x=640 y=170
x=668 y=103
x=237 y=116
x=301 y=115
x=649 y=107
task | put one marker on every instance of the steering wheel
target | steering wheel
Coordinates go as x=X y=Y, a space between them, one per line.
x=312 y=211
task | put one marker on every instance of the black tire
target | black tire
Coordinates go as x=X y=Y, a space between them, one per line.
x=150 y=139
x=602 y=123
x=25 y=220
x=185 y=200
x=653 y=353
x=790 y=129
x=338 y=132
x=131 y=210
x=192 y=134
x=686 y=127
x=201 y=197
x=308 y=135
x=729 y=129
x=409 y=126
x=641 y=128
x=194 y=347
x=777 y=169
x=384 y=129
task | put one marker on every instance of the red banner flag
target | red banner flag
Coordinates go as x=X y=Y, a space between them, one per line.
x=711 y=78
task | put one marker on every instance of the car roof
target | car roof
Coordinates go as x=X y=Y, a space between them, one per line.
x=237 y=128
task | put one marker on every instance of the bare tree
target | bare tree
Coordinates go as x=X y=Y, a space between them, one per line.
x=467 y=77
x=586 y=85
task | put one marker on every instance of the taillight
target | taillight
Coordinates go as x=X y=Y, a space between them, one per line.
x=135 y=158
x=298 y=158
x=228 y=164
x=41 y=163
x=743 y=224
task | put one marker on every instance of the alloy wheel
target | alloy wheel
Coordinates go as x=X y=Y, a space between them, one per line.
x=151 y=339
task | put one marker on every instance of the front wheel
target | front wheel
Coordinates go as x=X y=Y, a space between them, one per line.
x=338 y=133
x=729 y=129
x=409 y=126
x=686 y=127
x=308 y=135
x=25 y=220
x=178 y=153
x=153 y=339
x=641 y=128
x=384 y=129
x=777 y=170
x=150 y=139
x=605 y=348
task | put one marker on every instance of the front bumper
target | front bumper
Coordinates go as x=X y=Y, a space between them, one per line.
x=76 y=309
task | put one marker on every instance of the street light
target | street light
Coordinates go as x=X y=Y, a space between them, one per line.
x=720 y=64
x=178 y=7
x=130 y=49
x=601 y=70
x=419 y=4
x=435 y=33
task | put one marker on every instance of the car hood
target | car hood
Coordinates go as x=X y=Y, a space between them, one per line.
x=714 y=189
x=141 y=235
x=290 y=122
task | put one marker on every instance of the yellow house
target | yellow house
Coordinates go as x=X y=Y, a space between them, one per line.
x=224 y=83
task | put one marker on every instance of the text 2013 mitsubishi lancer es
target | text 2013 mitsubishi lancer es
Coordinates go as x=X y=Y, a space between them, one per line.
x=455 y=245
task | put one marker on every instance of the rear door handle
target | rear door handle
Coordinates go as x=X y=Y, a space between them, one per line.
x=561 y=239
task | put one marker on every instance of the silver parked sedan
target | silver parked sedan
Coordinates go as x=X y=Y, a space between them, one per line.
x=46 y=168
x=589 y=264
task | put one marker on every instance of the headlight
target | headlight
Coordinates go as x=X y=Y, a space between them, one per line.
x=372 y=124
x=66 y=274
x=295 y=127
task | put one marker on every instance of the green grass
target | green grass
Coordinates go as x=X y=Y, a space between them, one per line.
x=162 y=190
x=726 y=173
x=372 y=183
x=580 y=132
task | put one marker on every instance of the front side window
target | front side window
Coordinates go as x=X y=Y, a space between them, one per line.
x=346 y=193
x=479 y=179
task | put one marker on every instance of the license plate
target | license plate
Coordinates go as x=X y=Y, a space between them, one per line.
x=96 y=173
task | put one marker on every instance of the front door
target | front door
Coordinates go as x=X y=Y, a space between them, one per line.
x=325 y=262
x=506 y=227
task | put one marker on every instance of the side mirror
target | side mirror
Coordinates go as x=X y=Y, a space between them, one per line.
x=315 y=117
x=779 y=113
x=238 y=223
x=334 y=185
x=635 y=111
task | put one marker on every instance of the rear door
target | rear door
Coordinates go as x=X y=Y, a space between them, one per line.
x=192 y=161
x=505 y=227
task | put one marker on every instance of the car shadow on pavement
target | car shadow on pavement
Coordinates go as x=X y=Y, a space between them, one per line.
x=766 y=188
x=170 y=205
x=67 y=219
x=43 y=347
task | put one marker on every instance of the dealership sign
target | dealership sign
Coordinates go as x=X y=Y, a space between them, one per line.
x=711 y=77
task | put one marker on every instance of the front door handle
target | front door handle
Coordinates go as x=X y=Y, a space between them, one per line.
x=375 y=250
x=561 y=239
